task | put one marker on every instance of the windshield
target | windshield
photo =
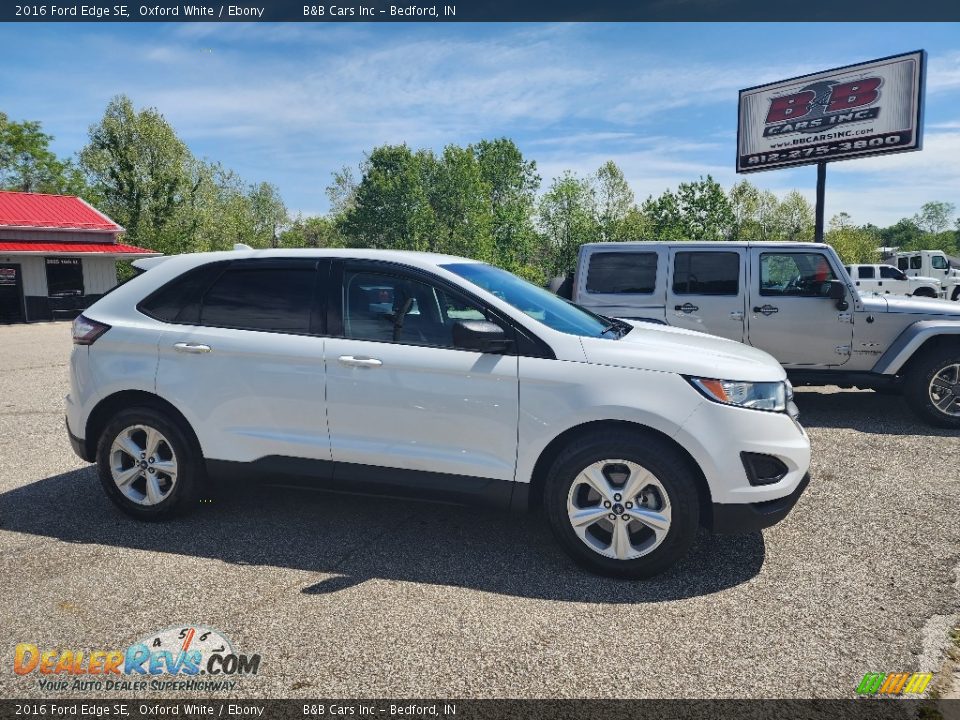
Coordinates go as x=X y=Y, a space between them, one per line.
x=939 y=262
x=542 y=305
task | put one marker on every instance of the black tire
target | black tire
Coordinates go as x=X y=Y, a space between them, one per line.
x=925 y=292
x=667 y=465
x=917 y=382
x=190 y=477
x=956 y=294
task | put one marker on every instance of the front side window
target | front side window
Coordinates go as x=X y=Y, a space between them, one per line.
x=888 y=272
x=258 y=296
x=938 y=262
x=394 y=308
x=706 y=273
x=622 y=273
x=535 y=302
x=866 y=272
x=794 y=274
x=64 y=277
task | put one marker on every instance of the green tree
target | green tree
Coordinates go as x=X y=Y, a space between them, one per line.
x=140 y=169
x=511 y=182
x=699 y=210
x=27 y=164
x=312 y=232
x=460 y=199
x=568 y=219
x=934 y=217
x=614 y=201
x=391 y=205
x=904 y=234
x=794 y=218
x=853 y=244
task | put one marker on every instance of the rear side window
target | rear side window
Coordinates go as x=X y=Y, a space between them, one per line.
x=706 y=273
x=179 y=300
x=902 y=263
x=260 y=295
x=622 y=273
x=866 y=272
x=916 y=262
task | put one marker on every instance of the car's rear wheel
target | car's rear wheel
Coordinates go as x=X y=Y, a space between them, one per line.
x=924 y=292
x=623 y=504
x=148 y=466
x=932 y=387
x=956 y=294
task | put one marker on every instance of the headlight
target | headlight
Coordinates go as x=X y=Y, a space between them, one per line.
x=758 y=395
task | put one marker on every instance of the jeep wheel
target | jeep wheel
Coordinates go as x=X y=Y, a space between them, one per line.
x=622 y=504
x=148 y=467
x=932 y=388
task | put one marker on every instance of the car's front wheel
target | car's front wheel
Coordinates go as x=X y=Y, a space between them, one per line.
x=932 y=387
x=148 y=466
x=623 y=504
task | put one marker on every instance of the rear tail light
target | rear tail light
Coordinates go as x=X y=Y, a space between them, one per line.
x=86 y=331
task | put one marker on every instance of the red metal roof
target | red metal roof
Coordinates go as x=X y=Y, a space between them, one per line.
x=55 y=212
x=74 y=248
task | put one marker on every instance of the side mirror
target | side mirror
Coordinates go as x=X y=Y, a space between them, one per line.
x=837 y=291
x=480 y=335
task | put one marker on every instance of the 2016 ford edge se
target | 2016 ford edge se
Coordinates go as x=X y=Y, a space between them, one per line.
x=437 y=376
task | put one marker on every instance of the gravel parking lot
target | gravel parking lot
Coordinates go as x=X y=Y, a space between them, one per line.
x=352 y=597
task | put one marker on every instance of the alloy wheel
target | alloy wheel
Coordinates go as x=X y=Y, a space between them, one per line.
x=143 y=465
x=944 y=390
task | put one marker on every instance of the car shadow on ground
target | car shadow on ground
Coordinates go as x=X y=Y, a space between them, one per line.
x=864 y=411
x=355 y=538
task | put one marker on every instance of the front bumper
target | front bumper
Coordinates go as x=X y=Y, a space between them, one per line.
x=750 y=517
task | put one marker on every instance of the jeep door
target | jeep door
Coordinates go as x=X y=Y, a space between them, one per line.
x=401 y=395
x=789 y=315
x=706 y=291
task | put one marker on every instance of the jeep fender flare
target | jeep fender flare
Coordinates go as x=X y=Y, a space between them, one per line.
x=910 y=340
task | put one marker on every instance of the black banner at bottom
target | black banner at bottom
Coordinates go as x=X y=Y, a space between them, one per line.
x=855 y=709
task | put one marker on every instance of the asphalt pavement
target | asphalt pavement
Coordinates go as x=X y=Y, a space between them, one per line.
x=346 y=596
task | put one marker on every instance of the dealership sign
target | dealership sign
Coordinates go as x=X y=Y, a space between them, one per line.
x=854 y=111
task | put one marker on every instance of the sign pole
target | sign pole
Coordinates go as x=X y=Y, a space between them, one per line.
x=821 y=189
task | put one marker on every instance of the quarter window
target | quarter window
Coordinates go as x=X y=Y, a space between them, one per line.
x=866 y=272
x=393 y=308
x=706 y=273
x=622 y=273
x=262 y=296
x=794 y=274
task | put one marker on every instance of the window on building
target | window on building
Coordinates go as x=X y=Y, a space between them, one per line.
x=64 y=277
x=706 y=273
x=622 y=273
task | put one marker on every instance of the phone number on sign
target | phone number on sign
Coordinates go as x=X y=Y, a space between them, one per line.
x=826 y=150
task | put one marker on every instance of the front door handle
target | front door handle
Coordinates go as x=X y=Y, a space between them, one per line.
x=362 y=362
x=767 y=310
x=195 y=348
x=686 y=308
x=736 y=315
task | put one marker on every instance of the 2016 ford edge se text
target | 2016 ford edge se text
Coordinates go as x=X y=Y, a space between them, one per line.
x=434 y=376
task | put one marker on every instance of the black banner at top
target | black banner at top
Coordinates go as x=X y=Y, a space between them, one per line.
x=374 y=11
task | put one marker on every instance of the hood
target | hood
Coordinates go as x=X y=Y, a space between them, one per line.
x=911 y=306
x=669 y=349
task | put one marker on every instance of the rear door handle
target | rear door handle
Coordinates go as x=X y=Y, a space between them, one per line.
x=767 y=310
x=363 y=362
x=195 y=348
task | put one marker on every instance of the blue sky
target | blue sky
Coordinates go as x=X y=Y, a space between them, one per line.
x=292 y=103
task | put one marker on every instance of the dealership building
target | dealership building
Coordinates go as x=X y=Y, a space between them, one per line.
x=58 y=254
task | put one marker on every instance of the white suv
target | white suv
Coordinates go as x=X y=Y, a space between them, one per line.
x=412 y=373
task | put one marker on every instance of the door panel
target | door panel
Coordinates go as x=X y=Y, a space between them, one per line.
x=705 y=291
x=400 y=396
x=11 y=294
x=241 y=355
x=787 y=316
